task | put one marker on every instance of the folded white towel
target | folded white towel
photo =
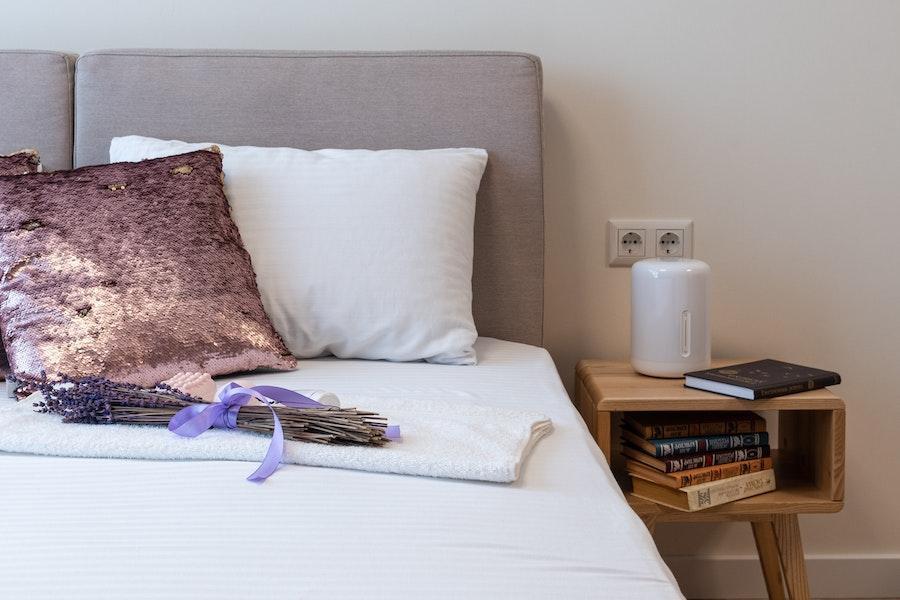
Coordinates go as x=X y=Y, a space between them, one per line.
x=440 y=439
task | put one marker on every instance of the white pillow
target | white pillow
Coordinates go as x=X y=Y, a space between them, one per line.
x=358 y=253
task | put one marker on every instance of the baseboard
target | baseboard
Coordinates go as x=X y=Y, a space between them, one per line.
x=830 y=576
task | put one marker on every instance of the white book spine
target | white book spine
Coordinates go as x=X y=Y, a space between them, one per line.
x=719 y=492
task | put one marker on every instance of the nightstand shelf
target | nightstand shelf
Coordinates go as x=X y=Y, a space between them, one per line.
x=791 y=500
x=809 y=461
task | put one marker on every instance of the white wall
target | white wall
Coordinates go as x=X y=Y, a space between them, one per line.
x=775 y=125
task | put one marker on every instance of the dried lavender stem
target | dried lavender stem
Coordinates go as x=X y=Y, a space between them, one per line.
x=97 y=400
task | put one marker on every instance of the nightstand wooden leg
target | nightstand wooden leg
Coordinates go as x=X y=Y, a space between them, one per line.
x=769 y=558
x=793 y=565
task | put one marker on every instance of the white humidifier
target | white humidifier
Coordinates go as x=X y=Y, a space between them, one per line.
x=669 y=316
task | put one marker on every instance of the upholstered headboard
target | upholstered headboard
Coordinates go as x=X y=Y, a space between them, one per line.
x=36 y=104
x=374 y=100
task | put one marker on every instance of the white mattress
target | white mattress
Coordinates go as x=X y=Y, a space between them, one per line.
x=98 y=528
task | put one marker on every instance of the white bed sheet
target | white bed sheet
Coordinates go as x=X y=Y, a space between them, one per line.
x=99 y=528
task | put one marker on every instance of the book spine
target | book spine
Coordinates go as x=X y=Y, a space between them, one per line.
x=711 y=459
x=683 y=464
x=795 y=388
x=708 y=474
x=729 y=490
x=703 y=429
x=667 y=431
x=677 y=447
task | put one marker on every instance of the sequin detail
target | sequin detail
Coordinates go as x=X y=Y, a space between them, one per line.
x=133 y=283
x=30 y=225
x=22 y=162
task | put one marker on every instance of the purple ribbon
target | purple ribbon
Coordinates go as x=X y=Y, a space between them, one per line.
x=193 y=420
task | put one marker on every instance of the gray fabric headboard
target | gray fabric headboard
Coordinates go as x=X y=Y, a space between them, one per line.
x=376 y=100
x=36 y=104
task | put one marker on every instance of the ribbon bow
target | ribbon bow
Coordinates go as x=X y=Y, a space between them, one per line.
x=193 y=420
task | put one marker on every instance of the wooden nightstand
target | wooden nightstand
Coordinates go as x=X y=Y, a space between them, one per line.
x=809 y=461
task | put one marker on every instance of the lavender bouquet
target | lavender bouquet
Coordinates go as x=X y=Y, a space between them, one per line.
x=96 y=400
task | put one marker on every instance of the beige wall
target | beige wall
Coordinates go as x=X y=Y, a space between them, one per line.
x=775 y=125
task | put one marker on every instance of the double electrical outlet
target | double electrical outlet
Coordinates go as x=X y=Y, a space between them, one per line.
x=630 y=240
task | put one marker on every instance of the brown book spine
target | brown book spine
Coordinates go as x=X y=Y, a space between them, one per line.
x=707 y=474
x=701 y=429
x=710 y=459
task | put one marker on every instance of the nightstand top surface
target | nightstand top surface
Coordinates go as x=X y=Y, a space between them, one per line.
x=615 y=386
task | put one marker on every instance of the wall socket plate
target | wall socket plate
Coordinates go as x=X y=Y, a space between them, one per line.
x=630 y=240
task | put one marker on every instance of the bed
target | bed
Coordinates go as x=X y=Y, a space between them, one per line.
x=93 y=528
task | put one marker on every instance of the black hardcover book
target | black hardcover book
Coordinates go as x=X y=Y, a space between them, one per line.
x=761 y=379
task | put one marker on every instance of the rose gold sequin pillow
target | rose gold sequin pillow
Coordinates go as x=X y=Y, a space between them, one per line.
x=133 y=271
x=22 y=162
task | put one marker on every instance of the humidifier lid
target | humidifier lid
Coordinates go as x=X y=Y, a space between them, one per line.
x=667 y=267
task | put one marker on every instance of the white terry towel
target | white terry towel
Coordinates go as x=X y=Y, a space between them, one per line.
x=440 y=439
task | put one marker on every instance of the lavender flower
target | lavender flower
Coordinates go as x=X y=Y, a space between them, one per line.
x=95 y=400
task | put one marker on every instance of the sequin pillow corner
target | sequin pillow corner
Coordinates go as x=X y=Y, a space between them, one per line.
x=23 y=162
x=133 y=271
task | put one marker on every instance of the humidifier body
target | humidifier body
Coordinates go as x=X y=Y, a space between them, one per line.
x=670 y=316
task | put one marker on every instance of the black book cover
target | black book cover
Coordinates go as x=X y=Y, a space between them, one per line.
x=770 y=378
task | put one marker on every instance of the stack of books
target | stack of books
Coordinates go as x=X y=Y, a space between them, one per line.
x=691 y=461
